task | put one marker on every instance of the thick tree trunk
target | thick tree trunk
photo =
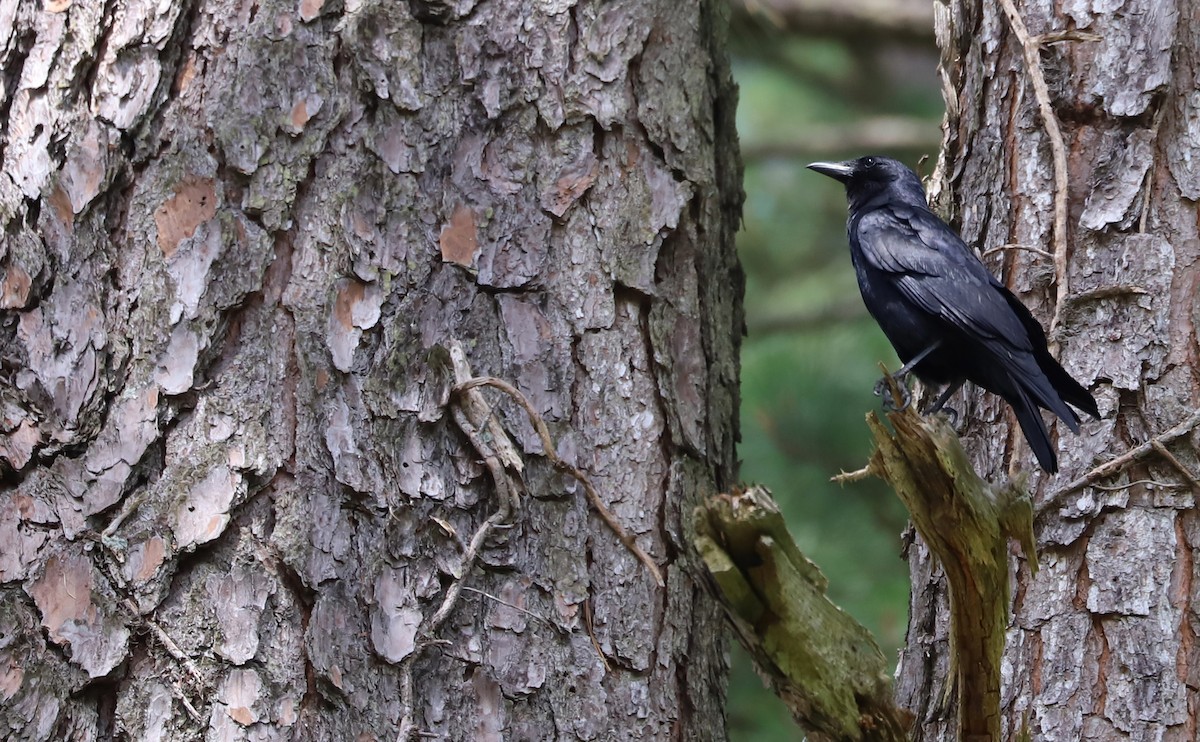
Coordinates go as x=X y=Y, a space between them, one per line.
x=1102 y=640
x=239 y=239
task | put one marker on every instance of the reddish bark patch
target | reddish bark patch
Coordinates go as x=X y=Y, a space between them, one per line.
x=148 y=558
x=14 y=290
x=458 y=240
x=194 y=202
x=10 y=679
x=60 y=204
x=1181 y=592
x=187 y=74
x=17 y=445
x=300 y=116
x=348 y=298
x=310 y=9
x=570 y=186
x=64 y=593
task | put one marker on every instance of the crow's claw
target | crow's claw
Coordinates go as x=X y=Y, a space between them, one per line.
x=883 y=390
x=952 y=416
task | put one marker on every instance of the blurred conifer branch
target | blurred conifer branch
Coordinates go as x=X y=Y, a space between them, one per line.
x=908 y=21
x=878 y=134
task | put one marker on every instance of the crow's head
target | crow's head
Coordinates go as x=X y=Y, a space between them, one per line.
x=872 y=177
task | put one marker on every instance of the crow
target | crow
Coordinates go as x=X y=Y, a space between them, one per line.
x=948 y=318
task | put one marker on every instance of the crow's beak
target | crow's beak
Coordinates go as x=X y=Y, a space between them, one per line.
x=837 y=170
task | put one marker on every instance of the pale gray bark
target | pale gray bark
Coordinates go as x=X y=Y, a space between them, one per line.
x=1102 y=641
x=236 y=237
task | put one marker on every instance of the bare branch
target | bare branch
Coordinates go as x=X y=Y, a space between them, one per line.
x=539 y=618
x=1119 y=463
x=1033 y=68
x=1013 y=246
x=1170 y=457
x=878 y=134
x=848 y=477
x=812 y=320
x=906 y=21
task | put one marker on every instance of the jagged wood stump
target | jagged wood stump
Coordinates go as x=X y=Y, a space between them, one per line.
x=966 y=522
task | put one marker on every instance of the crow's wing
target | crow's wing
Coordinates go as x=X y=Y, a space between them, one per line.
x=934 y=269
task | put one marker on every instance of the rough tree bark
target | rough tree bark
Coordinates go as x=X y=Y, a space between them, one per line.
x=239 y=240
x=1102 y=641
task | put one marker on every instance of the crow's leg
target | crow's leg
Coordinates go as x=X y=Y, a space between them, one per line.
x=901 y=378
x=943 y=398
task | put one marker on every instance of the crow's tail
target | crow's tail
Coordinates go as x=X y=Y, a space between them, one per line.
x=1070 y=390
x=1067 y=388
x=1034 y=428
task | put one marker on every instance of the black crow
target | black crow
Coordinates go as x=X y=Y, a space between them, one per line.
x=948 y=318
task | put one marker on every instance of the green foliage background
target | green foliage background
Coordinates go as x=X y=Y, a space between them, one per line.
x=811 y=356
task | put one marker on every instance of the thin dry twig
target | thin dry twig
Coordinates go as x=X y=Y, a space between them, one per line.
x=504 y=491
x=176 y=653
x=408 y=724
x=474 y=416
x=1170 y=457
x=1033 y=68
x=1148 y=181
x=111 y=547
x=851 y=476
x=551 y=453
x=130 y=504
x=1074 y=34
x=174 y=650
x=587 y=619
x=1015 y=246
x=1108 y=292
x=897 y=393
x=471 y=414
x=177 y=692
x=1127 y=485
x=1119 y=463
x=558 y=629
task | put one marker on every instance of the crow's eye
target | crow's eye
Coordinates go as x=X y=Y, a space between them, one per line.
x=869 y=162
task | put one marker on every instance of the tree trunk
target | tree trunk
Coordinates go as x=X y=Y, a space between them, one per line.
x=240 y=239
x=1102 y=640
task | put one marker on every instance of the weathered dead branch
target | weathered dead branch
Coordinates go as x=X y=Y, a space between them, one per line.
x=876 y=134
x=821 y=662
x=966 y=522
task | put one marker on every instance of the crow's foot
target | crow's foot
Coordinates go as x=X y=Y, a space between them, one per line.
x=883 y=390
x=951 y=415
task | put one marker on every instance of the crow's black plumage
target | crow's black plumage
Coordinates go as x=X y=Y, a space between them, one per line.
x=948 y=318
